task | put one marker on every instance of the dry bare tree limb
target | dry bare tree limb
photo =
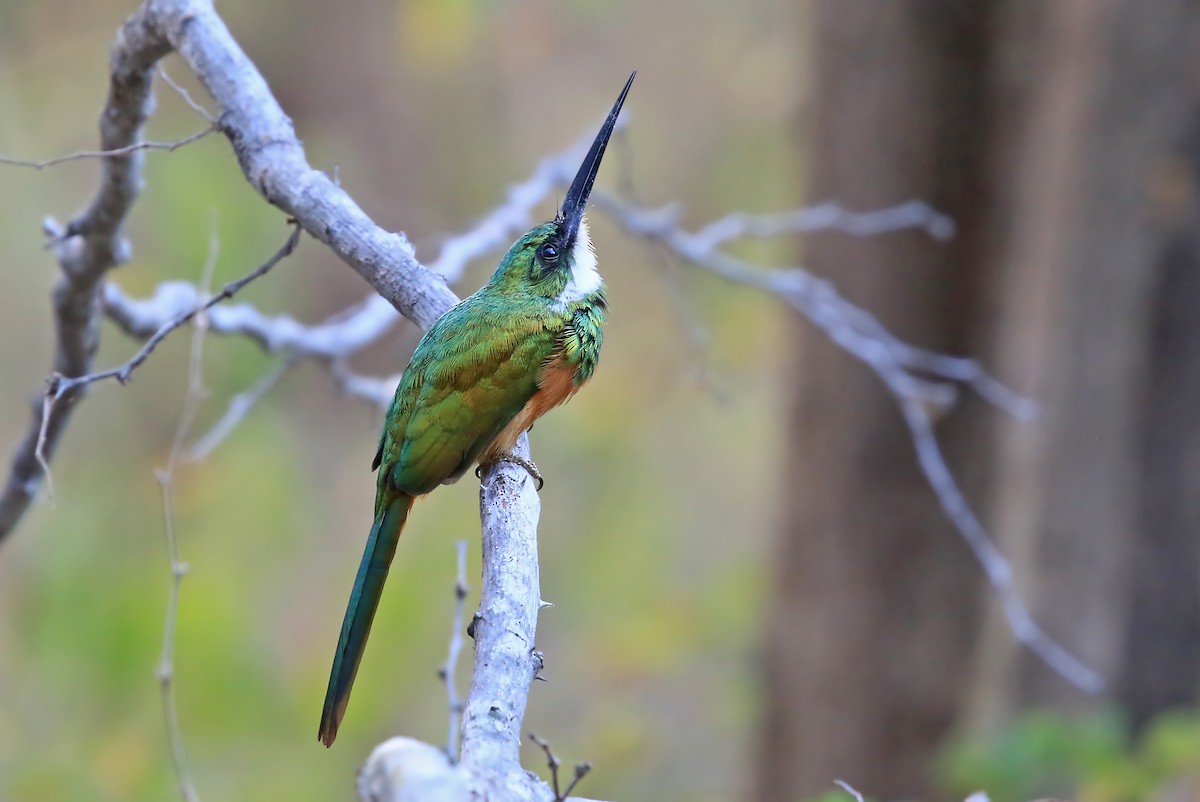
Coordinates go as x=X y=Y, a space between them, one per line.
x=504 y=629
x=995 y=566
x=917 y=378
x=828 y=217
x=273 y=159
x=554 y=764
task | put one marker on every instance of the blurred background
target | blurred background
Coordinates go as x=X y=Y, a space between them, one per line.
x=755 y=591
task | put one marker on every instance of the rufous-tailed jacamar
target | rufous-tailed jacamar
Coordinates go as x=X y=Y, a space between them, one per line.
x=479 y=378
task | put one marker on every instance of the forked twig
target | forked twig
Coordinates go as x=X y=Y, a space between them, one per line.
x=581 y=770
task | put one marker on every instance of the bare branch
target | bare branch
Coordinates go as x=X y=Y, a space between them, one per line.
x=552 y=762
x=917 y=378
x=828 y=217
x=108 y=154
x=581 y=770
x=995 y=566
x=506 y=625
x=273 y=159
x=39 y=452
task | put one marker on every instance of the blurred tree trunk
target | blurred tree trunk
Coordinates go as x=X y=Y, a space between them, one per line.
x=1162 y=652
x=1039 y=127
x=876 y=599
x=1099 y=91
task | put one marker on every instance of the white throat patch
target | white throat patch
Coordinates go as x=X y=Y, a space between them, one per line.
x=585 y=279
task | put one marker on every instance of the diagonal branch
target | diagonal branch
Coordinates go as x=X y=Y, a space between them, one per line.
x=917 y=378
x=274 y=162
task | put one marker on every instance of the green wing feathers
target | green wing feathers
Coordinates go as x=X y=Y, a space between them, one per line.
x=364 y=600
x=469 y=376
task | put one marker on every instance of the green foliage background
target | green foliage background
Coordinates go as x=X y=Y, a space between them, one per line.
x=661 y=478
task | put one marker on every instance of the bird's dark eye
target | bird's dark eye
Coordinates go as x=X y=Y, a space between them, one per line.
x=548 y=253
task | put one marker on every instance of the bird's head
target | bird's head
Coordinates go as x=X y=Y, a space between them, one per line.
x=555 y=259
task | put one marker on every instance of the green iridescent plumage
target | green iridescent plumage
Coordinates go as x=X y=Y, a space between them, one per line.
x=481 y=375
x=478 y=366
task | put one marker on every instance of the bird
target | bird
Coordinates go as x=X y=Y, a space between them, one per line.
x=482 y=374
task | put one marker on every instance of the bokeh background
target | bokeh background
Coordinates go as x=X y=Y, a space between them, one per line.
x=755 y=592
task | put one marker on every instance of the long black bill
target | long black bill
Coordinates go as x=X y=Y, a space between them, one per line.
x=581 y=187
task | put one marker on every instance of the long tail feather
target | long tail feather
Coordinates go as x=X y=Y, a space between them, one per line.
x=364 y=600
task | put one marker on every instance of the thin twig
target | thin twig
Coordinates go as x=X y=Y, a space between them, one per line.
x=60 y=385
x=581 y=770
x=107 y=154
x=166 y=479
x=552 y=761
x=447 y=671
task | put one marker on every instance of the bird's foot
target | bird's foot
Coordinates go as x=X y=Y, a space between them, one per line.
x=516 y=460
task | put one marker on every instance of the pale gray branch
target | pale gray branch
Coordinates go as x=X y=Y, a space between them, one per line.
x=917 y=378
x=828 y=217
